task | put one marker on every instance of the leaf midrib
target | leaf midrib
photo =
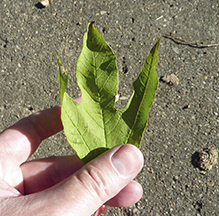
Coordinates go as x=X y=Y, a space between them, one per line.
x=137 y=114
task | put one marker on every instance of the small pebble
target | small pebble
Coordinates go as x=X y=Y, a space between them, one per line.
x=116 y=97
x=170 y=79
x=176 y=50
x=102 y=12
x=45 y=3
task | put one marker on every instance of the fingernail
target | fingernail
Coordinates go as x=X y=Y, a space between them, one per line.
x=127 y=160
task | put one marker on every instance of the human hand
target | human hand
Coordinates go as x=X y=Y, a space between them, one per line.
x=62 y=185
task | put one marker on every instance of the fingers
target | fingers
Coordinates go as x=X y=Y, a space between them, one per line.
x=44 y=173
x=97 y=182
x=107 y=178
x=78 y=99
x=21 y=140
x=129 y=195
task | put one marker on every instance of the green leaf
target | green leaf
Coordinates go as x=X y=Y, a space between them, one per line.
x=95 y=125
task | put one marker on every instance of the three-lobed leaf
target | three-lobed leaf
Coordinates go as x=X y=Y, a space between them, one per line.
x=94 y=125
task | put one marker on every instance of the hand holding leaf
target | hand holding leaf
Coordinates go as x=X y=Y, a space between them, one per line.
x=95 y=125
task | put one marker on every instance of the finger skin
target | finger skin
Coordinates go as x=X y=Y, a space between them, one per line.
x=129 y=195
x=98 y=181
x=44 y=173
x=21 y=140
x=18 y=142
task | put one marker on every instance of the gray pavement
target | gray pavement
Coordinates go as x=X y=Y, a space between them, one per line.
x=183 y=119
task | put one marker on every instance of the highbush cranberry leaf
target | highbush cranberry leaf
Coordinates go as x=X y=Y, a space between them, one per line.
x=94 y=125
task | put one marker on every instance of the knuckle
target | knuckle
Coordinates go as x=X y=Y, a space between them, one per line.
x=95 y=181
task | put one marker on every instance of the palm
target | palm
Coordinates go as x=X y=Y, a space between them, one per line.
x=11 y=178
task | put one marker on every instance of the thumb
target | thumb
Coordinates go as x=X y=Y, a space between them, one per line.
x=96 y=182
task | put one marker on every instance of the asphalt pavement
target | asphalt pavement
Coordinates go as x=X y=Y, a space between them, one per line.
x=184 y=117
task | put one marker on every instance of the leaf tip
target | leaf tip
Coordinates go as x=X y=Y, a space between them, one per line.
x=58 y=59
x=157 y=45
x=91 y=26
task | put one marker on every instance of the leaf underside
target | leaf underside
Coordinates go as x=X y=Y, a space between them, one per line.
x=95 y=125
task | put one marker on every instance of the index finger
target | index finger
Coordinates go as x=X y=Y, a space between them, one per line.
x=22 y=139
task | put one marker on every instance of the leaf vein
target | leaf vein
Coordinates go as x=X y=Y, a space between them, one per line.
x=79 y=133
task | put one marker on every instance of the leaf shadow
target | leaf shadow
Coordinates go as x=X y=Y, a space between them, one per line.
x=94 y=153
x=194 y=159
x=39 y=6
